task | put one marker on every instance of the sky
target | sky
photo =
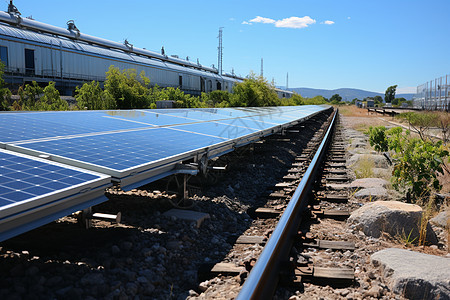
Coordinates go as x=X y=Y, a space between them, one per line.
x=326 y=44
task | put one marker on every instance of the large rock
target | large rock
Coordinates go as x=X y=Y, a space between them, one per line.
x=379 y=160
x=396 y=218
x=366 y=183
x=373 y=193
x=414 y=275
x=442 y=219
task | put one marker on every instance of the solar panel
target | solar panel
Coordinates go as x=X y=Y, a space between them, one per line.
x=34 y=190
x=124 y=143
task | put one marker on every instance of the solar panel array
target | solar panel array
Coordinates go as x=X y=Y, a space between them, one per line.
x=132 y=146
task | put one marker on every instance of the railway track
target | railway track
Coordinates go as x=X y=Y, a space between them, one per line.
x=281 y=225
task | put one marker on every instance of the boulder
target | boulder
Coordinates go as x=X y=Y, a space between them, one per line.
x=399 y=219
x=373 y=193
x=442 y=219
x=414 y=275
x=366 y=183
x=379 y=160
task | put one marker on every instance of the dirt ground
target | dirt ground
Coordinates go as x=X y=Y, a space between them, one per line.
x=359 y=119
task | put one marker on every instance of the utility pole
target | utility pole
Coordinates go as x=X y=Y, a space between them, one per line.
x=220 y=48
x=262 y=67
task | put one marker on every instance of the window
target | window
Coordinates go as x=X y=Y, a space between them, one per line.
x=180 y=81
x=29 y=61
x=4 y=55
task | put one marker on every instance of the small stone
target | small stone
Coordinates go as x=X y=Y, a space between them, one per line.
x=374 y=291
x=371 y=275
x=115 y=250
x=203 y=286
x=132 y=288
x=142 y=280
x=344 y=292
x=193 y=293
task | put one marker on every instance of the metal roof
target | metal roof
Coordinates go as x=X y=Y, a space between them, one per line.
x=65 y=43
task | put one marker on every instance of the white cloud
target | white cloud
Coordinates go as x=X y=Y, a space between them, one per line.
x=259 y=19
x=295 y=22
x=292 y=22
x=232 y=19
x=348 y=18
x=328 y=22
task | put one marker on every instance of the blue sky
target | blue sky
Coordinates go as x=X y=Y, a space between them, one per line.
x=325 y=44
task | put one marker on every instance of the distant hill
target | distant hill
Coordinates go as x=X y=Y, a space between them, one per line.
x=346 y=93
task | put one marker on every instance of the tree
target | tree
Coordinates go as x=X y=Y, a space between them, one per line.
x=335 y=99
x=217 y=98
x=254 y=91
x=126 y=89
x=298 y=99
x=51 y=99
x=91 y=96
x=389 y=95
x=378 y=100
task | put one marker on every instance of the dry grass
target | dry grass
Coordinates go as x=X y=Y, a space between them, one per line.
x=359 y=119
x=364 y=167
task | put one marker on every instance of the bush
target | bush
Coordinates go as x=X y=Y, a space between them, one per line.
x=417 y=162
x=254 y=91
x=91 y=96
x=126 y=89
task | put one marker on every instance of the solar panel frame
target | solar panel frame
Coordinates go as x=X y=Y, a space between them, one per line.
x=99 y=180
x=46 y=205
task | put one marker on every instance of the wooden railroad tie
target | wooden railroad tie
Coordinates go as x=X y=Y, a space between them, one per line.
x=337 y=160
x=336 y=178
x=227 y=269
x=279 y=194
x=330 y=213
x=335 y=171
x=333 y=198
x=332 y=276
x=249 y=239
x=335 y=165
x=334 y=245
x=290 y=177
x=266 y=212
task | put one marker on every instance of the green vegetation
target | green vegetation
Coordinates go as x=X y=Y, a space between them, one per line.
x=389 y=95
x=91 y=96
x=34 y=97
x=125 y=89
x=5 y=93
x=417 y=161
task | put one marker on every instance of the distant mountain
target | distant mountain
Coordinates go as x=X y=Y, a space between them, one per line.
x=346 y=93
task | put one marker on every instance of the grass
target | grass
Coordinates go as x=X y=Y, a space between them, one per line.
x=407 y=240
x=364 y=167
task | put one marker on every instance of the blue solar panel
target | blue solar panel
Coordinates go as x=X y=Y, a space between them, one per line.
x=125 y=150
x=119 y=143
x=24 y=179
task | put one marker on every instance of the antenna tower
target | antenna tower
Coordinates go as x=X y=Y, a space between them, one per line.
x=262 y=67
x=287 y=80
x=220 y=48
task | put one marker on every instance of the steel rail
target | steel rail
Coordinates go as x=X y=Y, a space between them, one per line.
x=263 y=278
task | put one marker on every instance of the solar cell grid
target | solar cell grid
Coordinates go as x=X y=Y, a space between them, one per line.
x=124 y=150
x=25 y=178
x=87 y=138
